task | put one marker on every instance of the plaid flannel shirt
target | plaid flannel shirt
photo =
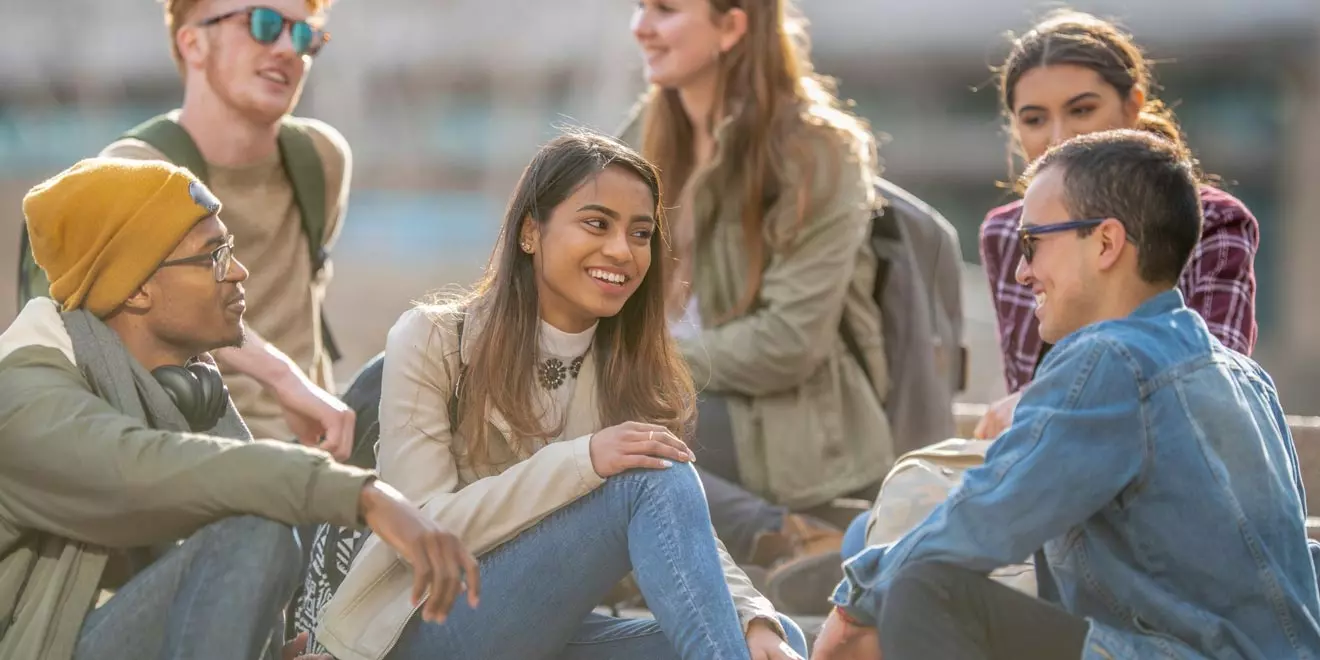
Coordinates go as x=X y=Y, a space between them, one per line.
x=1219 y=281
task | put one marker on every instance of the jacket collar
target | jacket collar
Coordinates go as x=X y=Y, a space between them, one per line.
x=583 y=415
x=1161 y=303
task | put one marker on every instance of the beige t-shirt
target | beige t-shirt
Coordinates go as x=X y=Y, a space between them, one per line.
x=284 y=301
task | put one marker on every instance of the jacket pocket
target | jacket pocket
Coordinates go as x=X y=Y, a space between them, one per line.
x=1169 y=646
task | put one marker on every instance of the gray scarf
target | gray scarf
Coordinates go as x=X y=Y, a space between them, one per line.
x=119 y=379
x=124 y=383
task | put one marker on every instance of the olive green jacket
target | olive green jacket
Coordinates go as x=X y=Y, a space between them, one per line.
x=808 y=425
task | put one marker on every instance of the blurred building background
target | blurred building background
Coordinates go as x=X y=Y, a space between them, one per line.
x=444 y=102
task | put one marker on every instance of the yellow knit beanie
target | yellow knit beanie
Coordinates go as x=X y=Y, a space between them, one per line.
x=101 y=228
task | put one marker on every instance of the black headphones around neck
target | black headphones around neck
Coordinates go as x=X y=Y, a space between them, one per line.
x=198 y=391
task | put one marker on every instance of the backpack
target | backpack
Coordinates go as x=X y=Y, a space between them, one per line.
x=919 y=482
x=918 y=288
x=301 y=163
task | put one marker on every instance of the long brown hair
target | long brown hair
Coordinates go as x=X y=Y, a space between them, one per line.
x=769 y=90
x=640 y=373
x=1067 y=36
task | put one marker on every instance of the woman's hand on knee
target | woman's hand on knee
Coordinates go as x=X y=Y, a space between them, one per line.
x=636 y=445
x=766 y=644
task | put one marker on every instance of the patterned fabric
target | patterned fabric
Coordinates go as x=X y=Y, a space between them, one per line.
x=1219 y=281
x=332 y=553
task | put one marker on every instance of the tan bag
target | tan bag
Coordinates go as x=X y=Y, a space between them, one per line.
x=919 y=482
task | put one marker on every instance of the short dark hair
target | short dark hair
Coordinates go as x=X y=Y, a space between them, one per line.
x=1145 y=182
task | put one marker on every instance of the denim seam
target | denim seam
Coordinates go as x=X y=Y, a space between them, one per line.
x=1037 y=431
x=682 y=575
x=614 y=638
x=1273 y=590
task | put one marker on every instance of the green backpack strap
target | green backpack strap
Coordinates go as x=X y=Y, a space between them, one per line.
x=307 y=176
x=166 y=135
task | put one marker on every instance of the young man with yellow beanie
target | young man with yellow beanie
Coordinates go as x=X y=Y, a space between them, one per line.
x=243 y=69
x=119 y=441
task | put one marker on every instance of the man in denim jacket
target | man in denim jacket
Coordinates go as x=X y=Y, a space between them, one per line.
x=1152 y=464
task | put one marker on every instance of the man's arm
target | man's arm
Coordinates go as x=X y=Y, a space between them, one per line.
x=1075 y=444
x=77 y=468
x=316 y=416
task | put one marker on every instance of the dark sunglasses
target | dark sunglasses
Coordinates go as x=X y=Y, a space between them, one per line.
x=220 y=258
x=266 y=25
x=1027 y=233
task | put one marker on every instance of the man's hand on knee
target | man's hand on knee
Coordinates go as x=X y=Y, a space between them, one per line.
x=840 y=639
x=442 y=567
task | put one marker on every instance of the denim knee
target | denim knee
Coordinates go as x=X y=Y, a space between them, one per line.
x=913 y=591
x=795 y=637
x=259 y=543
x=679 y=480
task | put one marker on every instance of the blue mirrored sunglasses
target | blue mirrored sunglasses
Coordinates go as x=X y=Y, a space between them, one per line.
x=266 y=25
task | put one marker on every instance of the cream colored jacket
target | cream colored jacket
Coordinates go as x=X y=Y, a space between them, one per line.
x=484 y=504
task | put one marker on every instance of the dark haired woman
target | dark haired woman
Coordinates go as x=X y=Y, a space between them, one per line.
x=540 y=418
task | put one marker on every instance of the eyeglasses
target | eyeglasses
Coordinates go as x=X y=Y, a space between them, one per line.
x=1027 y=234
x=221 y=259
x=266 y=25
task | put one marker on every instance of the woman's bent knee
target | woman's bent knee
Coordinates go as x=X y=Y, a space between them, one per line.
x=679 y=479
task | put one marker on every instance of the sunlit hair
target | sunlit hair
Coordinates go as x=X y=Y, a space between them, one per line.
x=1066 y=36
x=643 y=378
x=769 y=91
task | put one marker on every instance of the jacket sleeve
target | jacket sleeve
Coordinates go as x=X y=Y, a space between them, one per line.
x=795 y=325
x=1220 y=279
x=749 y=602
x=1077 y=441
x=948 y=286
x=76 y=467
x=415 y=448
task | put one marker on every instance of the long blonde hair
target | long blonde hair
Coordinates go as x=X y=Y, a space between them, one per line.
x=769 y=90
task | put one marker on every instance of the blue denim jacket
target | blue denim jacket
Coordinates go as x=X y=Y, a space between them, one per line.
x=1156 y=469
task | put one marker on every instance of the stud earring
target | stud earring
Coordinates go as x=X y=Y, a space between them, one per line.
x=527 y=247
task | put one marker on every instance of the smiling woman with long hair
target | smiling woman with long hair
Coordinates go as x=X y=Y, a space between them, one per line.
x=540 y=418
x=774 y=184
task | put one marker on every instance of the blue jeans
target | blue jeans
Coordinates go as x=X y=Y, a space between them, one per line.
x=218 y=596
x=854 y=538
x=538 y=590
